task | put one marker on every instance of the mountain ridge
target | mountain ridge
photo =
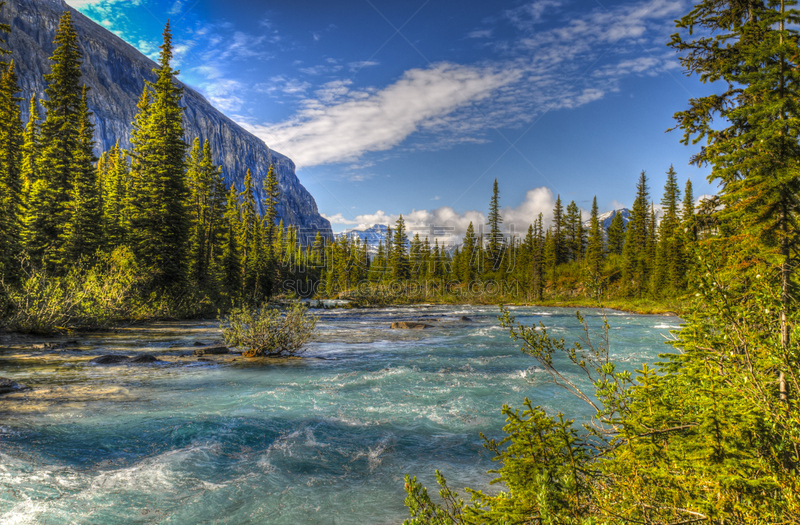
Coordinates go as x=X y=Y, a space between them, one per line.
x=116 y=73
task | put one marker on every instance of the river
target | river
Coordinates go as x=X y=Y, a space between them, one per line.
x=322 y=440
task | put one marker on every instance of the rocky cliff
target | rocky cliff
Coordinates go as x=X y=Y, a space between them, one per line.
x=116 y=73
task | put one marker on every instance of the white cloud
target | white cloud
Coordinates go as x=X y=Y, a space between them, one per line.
x=341 y=124
x=357 y=66
x=176 y=7
x=480 y=33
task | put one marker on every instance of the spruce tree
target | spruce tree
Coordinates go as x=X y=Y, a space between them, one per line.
x=231 y=253
x=467 y=266
x=594 y=251
x=60 y=140
x=636 y=252
x=496 y=243
x=616 y=234
x=755 y=157
x=398 y=261
x=11 y=202
x=83 y=234
x=162 y=218
x=31 y=146
x=559 y=255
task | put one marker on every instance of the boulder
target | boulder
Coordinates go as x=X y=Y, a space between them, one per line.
x=110 y=359
x=145 y=358
x=408 y=325
x=465 y=319
x=7 y=386
x=212 y=350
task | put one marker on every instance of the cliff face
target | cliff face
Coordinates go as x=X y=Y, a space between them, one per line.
x=116 y=73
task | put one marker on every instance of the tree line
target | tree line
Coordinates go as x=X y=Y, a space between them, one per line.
x=639 y=258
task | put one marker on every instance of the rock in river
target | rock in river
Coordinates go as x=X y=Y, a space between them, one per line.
x=110 y=359
x=407 y=325
x=7 y=386
x=212 y=350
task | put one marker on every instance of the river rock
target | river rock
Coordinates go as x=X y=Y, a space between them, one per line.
x=110 y=359
x=145 y=358
x=212 y=350
x=7 y=386
x=465 y=319
x=407 y=325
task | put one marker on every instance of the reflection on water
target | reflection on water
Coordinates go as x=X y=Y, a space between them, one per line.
x=325 y=439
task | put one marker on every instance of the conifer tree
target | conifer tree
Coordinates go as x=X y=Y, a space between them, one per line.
x=559 y=234
x=31 y=146
x=162 y=219
x=594 y=251
x=495 y=247
x=399 y=256
x=231 y=253
x=468 y=256
x=616 y=234
x=115 y=183
x=60 y=138
x=573 y=233
x=11 y=144
x=83 y=235
x=687 y=213
x=637 y=249
x=756 y=158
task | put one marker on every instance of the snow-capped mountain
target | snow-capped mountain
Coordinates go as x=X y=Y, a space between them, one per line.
x=606 y=218
x=374 y=235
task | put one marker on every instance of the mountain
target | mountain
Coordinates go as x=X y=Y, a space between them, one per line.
x=606 y=218
x=116 y=73
x=374 y=235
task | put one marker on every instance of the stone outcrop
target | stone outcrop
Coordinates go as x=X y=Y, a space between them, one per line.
x=8 y=386
x=116 y=73
x=408 y=325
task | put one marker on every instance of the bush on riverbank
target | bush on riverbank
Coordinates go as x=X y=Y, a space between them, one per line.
x=96 y=297
x=266 y=332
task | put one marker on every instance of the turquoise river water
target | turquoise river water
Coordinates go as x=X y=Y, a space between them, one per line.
x=322 y=440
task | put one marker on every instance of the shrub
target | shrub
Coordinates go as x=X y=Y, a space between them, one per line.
x=266 y=332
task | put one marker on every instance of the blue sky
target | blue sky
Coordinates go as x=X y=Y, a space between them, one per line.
x=415 y=107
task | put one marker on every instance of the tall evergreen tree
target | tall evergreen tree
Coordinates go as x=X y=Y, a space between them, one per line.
x=559 y=234
x=398 y=261
x=637 y=249
x=162 y=218
x=11 y=144
x=756 y=158
x=496 y=242
x=60 y=137
x=616 y=234
x=83 y=235
x=594 y=251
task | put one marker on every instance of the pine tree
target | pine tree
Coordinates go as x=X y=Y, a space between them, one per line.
x=594 y=251
x=162 y=220
x=496 y=241
x=467 y=266
x=60 y=141
x=756 y=158
x=231 y=253
x=573 y=233
x=637 y=249
x=559 y=235
x=11 y=202
x=31 y=146
x=115 y=183
x=616 y=234
x=398 y=260
x=83 y=234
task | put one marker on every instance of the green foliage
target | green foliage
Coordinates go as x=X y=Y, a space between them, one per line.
x=93 y=297
x=266 y=332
